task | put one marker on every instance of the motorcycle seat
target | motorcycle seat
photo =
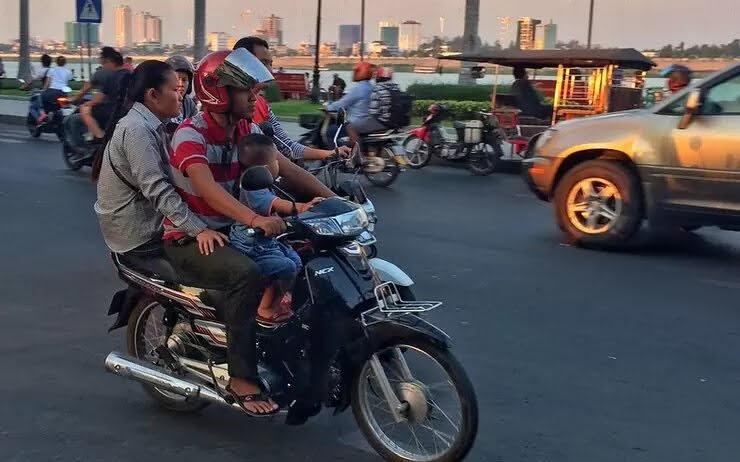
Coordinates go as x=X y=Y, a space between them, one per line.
x=155 y=266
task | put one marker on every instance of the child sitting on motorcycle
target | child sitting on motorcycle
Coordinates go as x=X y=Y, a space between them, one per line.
x=276 y=261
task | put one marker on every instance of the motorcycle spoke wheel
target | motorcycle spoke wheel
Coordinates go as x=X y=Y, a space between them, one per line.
x=439 y=411
x=390 y=171
x=417 y=152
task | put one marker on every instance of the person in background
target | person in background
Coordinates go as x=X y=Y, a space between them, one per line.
x=2 y=68
x=338 y=85
x=128 y=63
x=357 y=100
x=185 y=72
x=263 y=114
x=678 y=77
x=39 y=74
x=97 y=112
x=527 y=98
x=58 y=79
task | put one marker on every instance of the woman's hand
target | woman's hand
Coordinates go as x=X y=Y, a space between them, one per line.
x=207 y=240
x=302 y=207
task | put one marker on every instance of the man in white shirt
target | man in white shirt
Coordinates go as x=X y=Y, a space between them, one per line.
x=57 y=79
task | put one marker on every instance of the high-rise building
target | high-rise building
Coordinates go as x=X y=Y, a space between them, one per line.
x=328 y=49
x=410 y=37
x=123 y=26
x=525 y=33
x=75 y=35
x=389 y=35
x=551 y=35
x=349 y=34
x=272 y=27
x=147 y=29
x=218 y=41
x=379 y=48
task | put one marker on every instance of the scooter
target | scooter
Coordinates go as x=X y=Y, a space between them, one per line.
x=357 y=338
x=52 y=123
x=478 y=142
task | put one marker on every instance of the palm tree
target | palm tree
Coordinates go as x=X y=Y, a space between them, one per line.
x=24 y=61
x=199 y=29
x=470 y=38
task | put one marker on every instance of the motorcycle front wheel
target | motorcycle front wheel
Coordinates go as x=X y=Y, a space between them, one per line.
x=390 y=171
x=438 y=406
x=33 y=129
x=418 y=153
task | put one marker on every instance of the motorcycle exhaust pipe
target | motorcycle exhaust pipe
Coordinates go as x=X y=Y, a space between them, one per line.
x=152 y=375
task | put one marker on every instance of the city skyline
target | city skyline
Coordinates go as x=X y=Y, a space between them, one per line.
x=638 y=27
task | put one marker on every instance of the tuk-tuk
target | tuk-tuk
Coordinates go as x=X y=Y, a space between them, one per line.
x=587 y=82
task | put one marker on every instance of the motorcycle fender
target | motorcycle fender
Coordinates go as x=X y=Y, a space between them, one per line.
x=122 y=304
x=388 y=272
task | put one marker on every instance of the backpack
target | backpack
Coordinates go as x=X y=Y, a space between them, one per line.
x=390 y=106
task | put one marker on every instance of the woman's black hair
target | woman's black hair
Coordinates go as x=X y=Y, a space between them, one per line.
x=46 y=60
x=133 y=89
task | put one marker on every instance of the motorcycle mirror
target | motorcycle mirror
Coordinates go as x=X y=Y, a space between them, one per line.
x=255 y=178
x=341 y=117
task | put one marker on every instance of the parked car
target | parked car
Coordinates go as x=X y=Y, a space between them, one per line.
x=675 y=164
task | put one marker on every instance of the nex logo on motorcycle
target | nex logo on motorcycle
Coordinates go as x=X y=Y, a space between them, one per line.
x=323 y=271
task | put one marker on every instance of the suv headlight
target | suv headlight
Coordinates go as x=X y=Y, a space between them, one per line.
x=347 y=224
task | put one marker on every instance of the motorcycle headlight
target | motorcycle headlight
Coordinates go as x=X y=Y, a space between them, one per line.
x=347 y=224
x=370 y=211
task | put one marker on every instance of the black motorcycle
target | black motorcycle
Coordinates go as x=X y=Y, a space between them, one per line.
x=52 y=122
x=374 y=156
x=357 y=339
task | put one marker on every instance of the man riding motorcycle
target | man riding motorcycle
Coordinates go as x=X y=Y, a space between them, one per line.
x=205 y=171
x=678 y=77
x=357 y=100
x=263 y=113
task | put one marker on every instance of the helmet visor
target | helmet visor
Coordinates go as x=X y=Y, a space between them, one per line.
x=242 y=69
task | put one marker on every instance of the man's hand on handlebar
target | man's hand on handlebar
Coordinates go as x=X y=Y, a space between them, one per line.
x=271 y=226
x=344 y=151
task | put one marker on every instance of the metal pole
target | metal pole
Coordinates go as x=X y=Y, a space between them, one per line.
x=362 y=31
x=89 y=52
x=590 y=22
x=199 y=29
x=24 y=60
x=316 y=90
x=82 y=59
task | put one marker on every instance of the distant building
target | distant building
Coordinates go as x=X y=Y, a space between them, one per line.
x=219 y=41
x=390 y=35
x=410 y=36
x=272 y=29
x=306 y=49
x=147 y=29
x=551 y=35
x=328 y=49
x=525 y=33
x=75 y=35
x=124 y=37
x=349 y=34
x=378 y=48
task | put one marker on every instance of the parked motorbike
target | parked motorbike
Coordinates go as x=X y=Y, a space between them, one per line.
x=478 y=142
x=357 y=338
x=374 y=156
x=52 y=123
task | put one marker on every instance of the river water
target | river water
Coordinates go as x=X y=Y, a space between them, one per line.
x=404 y=79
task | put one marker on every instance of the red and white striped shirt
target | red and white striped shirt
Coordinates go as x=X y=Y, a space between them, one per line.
x=200 y=140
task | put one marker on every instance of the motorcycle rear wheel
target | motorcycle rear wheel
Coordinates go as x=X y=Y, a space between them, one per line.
x=33 y=129
x=145 y=328
x=425 y=416
x=485 y=162
x=390 y=171
x=70 y=156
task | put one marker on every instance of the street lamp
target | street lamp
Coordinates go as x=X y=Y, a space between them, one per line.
x=590 y=22
x=316 y=90
x=362 y=31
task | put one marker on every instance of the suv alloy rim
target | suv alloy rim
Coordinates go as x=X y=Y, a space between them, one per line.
x=594 y=205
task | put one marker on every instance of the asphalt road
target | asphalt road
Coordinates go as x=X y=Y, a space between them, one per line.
x=576 y=355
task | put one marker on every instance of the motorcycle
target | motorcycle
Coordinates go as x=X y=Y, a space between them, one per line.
x=77 y=156
x=374 y=156
x=52 y=123
x=478 y=142
x=357 y=339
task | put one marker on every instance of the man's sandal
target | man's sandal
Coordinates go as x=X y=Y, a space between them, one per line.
x=254 y=397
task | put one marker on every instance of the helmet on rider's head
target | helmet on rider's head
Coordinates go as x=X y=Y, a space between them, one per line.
x=182 y=64
x=679 y=76
x=222 y=69
x=383 y=74
x=362 y=71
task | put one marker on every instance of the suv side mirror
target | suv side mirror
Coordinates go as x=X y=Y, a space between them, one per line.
x=693 y=104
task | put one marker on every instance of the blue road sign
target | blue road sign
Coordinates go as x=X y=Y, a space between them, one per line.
x=90 y=11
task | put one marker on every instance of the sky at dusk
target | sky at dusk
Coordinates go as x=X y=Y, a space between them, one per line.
x=626 y=23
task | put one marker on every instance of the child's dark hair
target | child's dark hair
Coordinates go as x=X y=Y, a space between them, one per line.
x=133 y=89
x=255 y=149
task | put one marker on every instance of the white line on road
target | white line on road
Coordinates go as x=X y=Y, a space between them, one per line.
x=9 y=140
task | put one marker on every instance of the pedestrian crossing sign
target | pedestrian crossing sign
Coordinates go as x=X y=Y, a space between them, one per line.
x=89 y=11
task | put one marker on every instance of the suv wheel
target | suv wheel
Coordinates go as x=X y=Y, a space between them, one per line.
x=598 y=204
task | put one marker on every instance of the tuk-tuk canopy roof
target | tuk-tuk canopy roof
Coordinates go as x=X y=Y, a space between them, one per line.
x=538 y=59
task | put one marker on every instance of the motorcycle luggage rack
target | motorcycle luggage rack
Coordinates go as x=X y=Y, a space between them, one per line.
x=390 y=301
